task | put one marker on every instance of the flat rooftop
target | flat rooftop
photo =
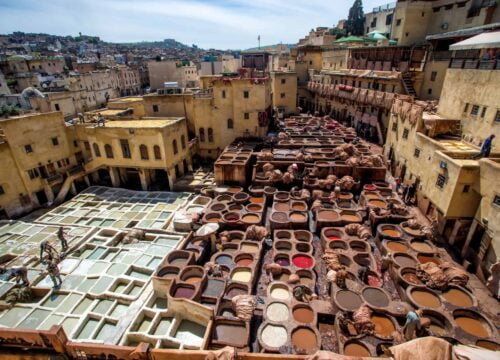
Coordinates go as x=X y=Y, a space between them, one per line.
x=142 y=123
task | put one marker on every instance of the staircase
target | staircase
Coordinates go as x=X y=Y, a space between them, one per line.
x=408 y=84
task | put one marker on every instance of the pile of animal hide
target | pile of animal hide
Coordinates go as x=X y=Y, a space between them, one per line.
x=133 y=236
x=358 y=230
x=346 y=183
x=255 y=232
x=454 y=275
x=21 y=294
x=431 y=275
x=265 y=156
x=332 y=260
x=243 y=306
x=362 y=320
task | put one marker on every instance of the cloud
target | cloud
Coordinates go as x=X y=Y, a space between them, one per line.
x=208 y=23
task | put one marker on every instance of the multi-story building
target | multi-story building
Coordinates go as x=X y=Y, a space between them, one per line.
x=213 y=65
x=284 y=92
x=436 y=152
x=380 y=19
x=129 y=81
x=160 y=72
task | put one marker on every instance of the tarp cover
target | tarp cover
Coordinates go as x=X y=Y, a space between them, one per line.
x=428 y=348
x=481 y=41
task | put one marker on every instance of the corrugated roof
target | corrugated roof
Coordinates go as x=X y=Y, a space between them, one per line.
x=464 y=32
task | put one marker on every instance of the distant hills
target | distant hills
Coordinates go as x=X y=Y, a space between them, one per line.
x=269 y=47
x=165 y=44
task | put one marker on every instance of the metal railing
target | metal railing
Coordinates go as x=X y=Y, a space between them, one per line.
x=474 y=64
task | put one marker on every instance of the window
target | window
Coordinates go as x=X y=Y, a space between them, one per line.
x=475 y=110
x=157 y=151
x=388 y=19
x=405 y=133
x=97 y=152
x=398 y=22
x=125 y=149
x=109 y=151
x=282 y=95
x=174 y=147
x=429 y=91
x=448 y=7
x=33 y=173
x=202 y=134
x=246 y=116
x=441 y=181
x=466 y=108
x=230 y=124
x=28 y=149
x=496 y=200
x=183 y=141
x=55 y=141
x=433 y=75
x=155 y=108
x=246 y=94
x=497 y=116
x=417 y=152
x=283 y=81
x=310 y=62
x=461 y=4
x=86 y=144
x=466 y=188
x=436 y=9
x=56 y=106
x=223 y=94
x=143 y=149
x=483 y=112
x=210 y=135
x=75 y=143
x=2 y=191
x=423 y=14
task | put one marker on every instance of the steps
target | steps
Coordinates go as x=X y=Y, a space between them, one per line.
x=408 y=84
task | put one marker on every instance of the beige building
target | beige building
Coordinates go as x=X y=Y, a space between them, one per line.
x=380 y=19
x=129 y=81
x=284 y=92
x=223 y=64
x=161 y=72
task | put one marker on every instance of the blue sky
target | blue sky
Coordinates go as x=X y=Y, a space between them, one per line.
x=221 y=24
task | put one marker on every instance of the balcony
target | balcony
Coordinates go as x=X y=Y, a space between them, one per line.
x=474 y=64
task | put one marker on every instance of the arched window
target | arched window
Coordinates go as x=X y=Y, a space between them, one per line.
x=230 y=124
x=109 y=151
x=210 y=135
x=144 y=152
x=183 y=141
x=174 y=146
x=202 y=134
x=156 y=150
x=97 y=152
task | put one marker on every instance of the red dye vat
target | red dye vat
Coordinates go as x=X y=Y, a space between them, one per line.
x=244 y=262
x=373 y=281
x=302 y=261
x=333 y=237
x=183 y=292
x=370 y=187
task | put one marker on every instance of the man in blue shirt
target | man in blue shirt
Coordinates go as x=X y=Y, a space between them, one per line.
x=486 y=148
x=412 y=324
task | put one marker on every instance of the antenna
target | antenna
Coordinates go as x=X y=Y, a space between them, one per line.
x=258 y=38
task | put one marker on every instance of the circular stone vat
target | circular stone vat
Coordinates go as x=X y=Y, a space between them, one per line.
x=350 y=216
x=282 y=260
x=257 y=200
x=458 y=297
x=168 y=272
x=303 y=247
x=472 y=323
x=425 y=298
x=241 y=197
x=305 y=339
x=224 y=260
x=235 y=189
x=280 y=292
x=337 y=245
x=348 y=299
x=390 y=231
x=306 y=277
x=298 y=217
x=254 y=207
x=242 y=275
x=192 y=274
x=375 y=297
x=490 y=345
x=363 y=260
x=356 y=348
x=422 y=246
x=183 y=292
x=244 y=260
x=231 y=217
x=410 y=276
x=235 y=289
x=284 y=276
x=302 y=235
x=283 y=246
x=303 y=261
x=281 y=206
x=377 y=203
x=235 y=207
x=384 y=326
x=359 y=246
x=428 y=258
x=283 y=235
x=396 y=246
x=218 y=207
x=279 y=217
x=404 y=260
x=224 y=198
x=439 y=325
x=278 y=312
x=327 y=215
x=303 y=314
x=333 y=234
x=251 y=218
x=213 y=217
x=250 y=247
x=281 y=196
x=299 y=206
x=274 y=336
x=413 y=232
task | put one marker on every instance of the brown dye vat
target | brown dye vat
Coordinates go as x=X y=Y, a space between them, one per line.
x=413 y=232
x=297 y=217
x=281 y=206
x=230 y=334
x=254 y=207
x=375 y=297
x=405 y=261
x=213 y=218
x=299 y=206
x=396 y=246
x=457 y=297
x=383 y=325
x=425 y=298
x=217 y=207
x=304 y=338
x=283 y=235
x=195 y=279
x=303 y=315
x=391 y=233
x=249 y=247
x=422 y=246
x=182 y=292
x=168 y=272
x=302 y=247
x=235 y=207
x=177 y=261
x=372 y=196
x=425 y=259
x=348 y=299
x=281 y=195
x=377 y=203
x=437 y=329
x=250 y=219
x=283 y=246
x=333 y=234
x=257 y=199
x=356 y=349
x=327 y=215
x=358 y=246
x=490 y=345
x=279 y=217
x=232 y=217
x=236 y=290
x=345 y=196
x=303 y=236
x=284 y=276
x=350 y=217
x=412 y=278
x=472 y=326
x=235 y=189
x=305 y=278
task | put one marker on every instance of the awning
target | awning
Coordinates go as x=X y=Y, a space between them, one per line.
x=468 y=32
x=481 y=41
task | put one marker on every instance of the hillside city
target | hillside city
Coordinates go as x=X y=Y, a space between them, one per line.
x=335 y=198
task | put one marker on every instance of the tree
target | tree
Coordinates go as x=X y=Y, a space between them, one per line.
x=356 y=20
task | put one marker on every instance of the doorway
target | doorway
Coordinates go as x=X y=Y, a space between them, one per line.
x=41 y=197
x=160 y=182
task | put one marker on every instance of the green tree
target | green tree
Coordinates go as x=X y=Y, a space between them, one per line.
x=356 y=20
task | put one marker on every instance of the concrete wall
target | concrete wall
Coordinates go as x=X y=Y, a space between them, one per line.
x=436 y=85
x=166 y=71
x=284 y=91
x=476 y=87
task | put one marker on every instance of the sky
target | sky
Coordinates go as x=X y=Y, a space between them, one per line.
x=220 y=24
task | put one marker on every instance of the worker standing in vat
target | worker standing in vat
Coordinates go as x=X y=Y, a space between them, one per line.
x=61 y=235
x=412 y=324
x=19 y=273
x=54 y=274
x=50 y=252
